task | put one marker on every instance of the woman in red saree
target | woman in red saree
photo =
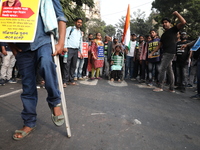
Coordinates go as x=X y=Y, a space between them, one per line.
x=97 y=60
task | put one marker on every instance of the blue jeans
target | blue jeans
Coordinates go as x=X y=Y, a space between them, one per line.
x=27 y=64
x=129 y=67
x=79 y=68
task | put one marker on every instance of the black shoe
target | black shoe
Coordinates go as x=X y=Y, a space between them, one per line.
x=2 y=82
x=197 y=97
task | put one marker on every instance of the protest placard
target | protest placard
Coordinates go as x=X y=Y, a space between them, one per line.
x=18 y=21
x=100 y=51
x=84 y=50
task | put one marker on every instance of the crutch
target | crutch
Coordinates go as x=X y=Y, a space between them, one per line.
x=60 y=84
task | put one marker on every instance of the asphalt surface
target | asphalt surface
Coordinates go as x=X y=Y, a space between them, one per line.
x=106 y=116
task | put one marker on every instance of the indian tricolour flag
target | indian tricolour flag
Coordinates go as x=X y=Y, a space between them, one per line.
x=126 y=34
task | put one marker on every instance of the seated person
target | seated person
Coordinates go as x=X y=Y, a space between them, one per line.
x=117 y=61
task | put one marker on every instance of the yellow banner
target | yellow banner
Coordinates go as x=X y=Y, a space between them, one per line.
x=18 y=20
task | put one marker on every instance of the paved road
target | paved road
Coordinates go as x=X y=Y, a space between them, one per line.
x=106 y=116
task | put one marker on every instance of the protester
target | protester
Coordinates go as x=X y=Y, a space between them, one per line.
x=137 y=63
x=79 y=66
x=8 y=63
x=182 y=60
x=143 y=61
x=168 y=43
x=85 y=72
x=129 y=56
x=197 y=56
x=29 y=55
x=97 y=61
x=73 y=44
x=117 y=62
x=154 y=61
x=107 y=55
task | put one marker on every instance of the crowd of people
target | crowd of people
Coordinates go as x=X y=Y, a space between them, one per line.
x=147 y=58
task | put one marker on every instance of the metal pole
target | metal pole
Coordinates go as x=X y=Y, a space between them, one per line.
x=60 y=84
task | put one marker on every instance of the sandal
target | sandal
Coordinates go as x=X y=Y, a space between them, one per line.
x=57 y=120
x=158 y=90
x=23 y=133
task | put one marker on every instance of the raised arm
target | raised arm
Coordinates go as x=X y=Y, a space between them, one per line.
x=181 y=19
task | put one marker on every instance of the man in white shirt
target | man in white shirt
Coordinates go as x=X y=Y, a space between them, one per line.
x=73 y=44
x=129 y=57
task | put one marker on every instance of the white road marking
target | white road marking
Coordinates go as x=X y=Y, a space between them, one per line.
x=89 y=82
x=93 y=114
x=119 y=84
x=11 y=93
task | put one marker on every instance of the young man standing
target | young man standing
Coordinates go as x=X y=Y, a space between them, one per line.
x=154 y=61
x=107 y=56
x=73 y=44
x=168 y=43
x=182 y=60
x=129 y=56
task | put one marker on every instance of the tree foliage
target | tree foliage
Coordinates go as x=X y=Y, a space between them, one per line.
x=110 y=30
x=189 y=9
x=96 y=26
x=138 y=24
x=73 y=9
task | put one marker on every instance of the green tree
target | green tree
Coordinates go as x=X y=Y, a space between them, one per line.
x=138 y=24
x=73 y=9
x=110 y=30
x=189 y=9
x=96 y=26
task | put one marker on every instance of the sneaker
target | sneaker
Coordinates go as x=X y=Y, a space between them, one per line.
x=92 y=78
x=12 y=81
x=197 y=96
x=2 y=82
x=112 y=79
x=189 y=86
x=99 y=78
x=150 y=84
x=75 y=78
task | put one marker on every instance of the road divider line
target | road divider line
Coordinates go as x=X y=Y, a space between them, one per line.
x=11 y=93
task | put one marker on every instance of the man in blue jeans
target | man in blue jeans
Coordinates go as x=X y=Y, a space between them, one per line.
x=129 y=56
x=168 y=43
x=28 y=56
